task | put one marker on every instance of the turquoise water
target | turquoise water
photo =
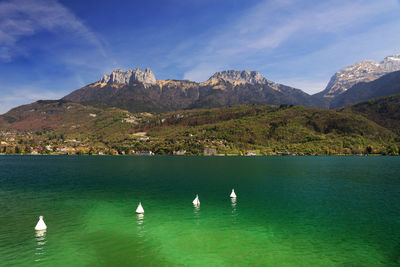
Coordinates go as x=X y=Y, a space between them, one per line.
x=290 y=211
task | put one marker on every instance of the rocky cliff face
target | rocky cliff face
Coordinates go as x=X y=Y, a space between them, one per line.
x=386 y=85
x=242 y=77
x=129 y=77
x=391 y=63
x=245 y=76
x=363 y=71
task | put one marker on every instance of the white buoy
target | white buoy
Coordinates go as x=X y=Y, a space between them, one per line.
x=140 y=209
x=196 y=201
x=233 y=195
x=40 y=226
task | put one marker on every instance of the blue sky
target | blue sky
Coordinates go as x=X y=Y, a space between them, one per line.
x=49 y=48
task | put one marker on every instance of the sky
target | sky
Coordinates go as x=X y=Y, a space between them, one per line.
x=48 y=48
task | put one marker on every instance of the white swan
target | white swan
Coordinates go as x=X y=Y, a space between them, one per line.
x=233 y=195
x=196 y=201
x=140 y=209
x=40 y=226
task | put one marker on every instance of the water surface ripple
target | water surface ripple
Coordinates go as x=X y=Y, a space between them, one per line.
x=290 y=211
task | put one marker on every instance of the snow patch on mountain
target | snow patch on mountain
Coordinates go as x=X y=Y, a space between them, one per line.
x=363 y=71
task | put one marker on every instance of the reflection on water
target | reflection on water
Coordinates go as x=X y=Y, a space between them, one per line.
x=140 y=219
x=40 y=234
x=234 y=205
x=233 y=200
x=196 y=211
x=140 y=224
x=40 y=237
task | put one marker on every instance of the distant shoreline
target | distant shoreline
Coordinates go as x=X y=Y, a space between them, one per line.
x=206 y=156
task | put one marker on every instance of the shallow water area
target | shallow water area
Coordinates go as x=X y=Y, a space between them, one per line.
x=289 y=211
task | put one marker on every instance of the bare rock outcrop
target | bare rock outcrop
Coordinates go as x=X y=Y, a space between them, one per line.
x=363 y=71
x=129 y=77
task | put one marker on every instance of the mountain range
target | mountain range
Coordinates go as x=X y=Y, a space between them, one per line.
x=140 y=91
x=231 y=106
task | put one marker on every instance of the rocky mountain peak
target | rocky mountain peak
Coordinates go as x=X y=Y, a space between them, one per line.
x=130 y=76
x=391 y=63
x=245 y=76
x=363 y=71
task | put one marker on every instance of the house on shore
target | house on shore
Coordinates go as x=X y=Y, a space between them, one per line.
x=144 y=153
x=180 y=152
x=209 y=151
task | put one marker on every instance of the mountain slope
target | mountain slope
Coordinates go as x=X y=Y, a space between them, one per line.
x=388 y=84
x=230 y=130
x=219 y=92
x=69 y=119
x=136 y=97
x=385 y=111
x=124 y=90
x=270 y=129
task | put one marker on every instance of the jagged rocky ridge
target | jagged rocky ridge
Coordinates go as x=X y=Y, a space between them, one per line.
x=124 y=90
x=129 y=77
x=243 y=77
x=363 y=71
x=386 y=85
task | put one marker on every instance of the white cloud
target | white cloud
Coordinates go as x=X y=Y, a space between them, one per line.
x=21 y=18
x=268 y=31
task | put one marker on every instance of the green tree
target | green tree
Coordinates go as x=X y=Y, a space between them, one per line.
x=392 y=150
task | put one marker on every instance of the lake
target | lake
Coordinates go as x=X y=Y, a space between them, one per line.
x=290 y=211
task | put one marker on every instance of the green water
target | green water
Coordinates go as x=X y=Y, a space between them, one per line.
x=290 y=211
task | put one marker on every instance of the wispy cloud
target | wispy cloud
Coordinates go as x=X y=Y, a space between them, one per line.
x=68 y=57
x=271 y=25
x=22 y=18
